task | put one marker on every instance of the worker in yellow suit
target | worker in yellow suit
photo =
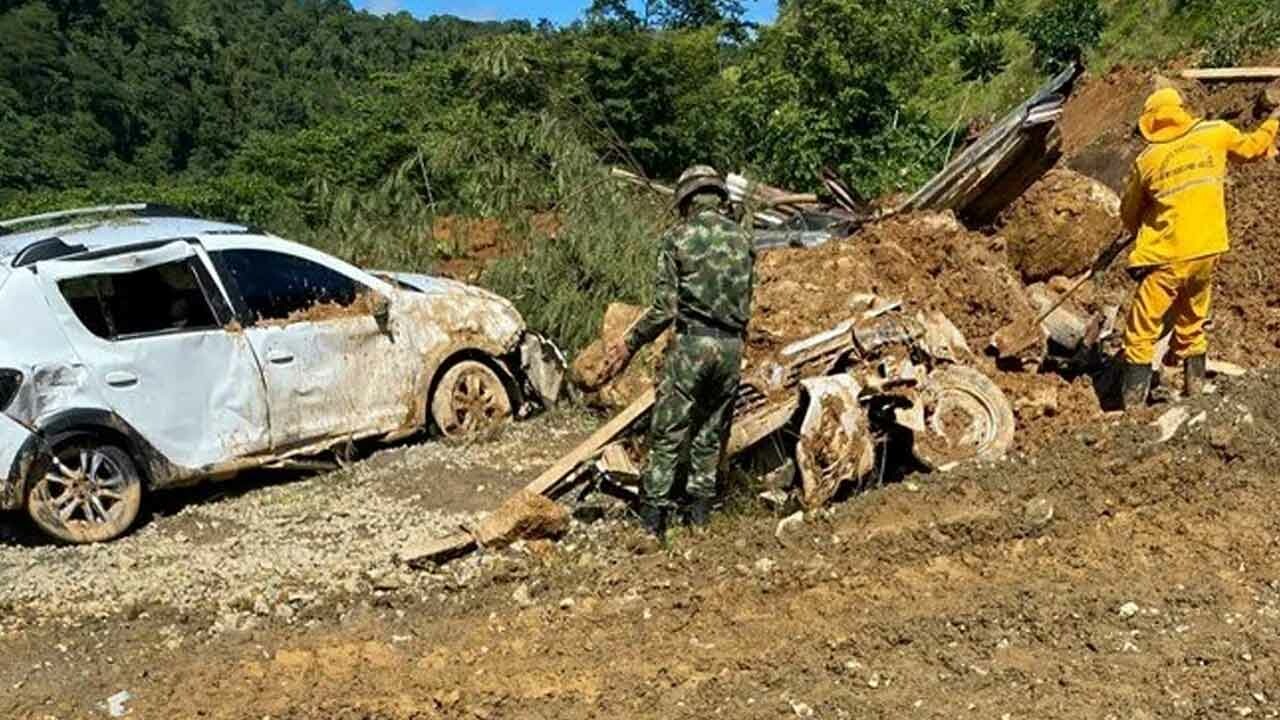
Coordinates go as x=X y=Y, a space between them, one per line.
x=1175 y=206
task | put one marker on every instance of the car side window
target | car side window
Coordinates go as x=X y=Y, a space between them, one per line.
x=158 y=299
x=276 y=286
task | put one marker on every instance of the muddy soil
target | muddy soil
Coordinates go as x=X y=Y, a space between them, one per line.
x=1107 y=576
x=1060 y=225
x=471 y=245
x=929 y=261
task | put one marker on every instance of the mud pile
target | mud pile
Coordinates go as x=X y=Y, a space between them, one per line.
x=928 y=261
x=1060 y=225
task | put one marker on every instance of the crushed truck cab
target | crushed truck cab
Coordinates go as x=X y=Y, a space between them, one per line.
x=141 y=349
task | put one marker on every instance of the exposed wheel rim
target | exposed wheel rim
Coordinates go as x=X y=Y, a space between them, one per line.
x=476 y=400
x=967 y=418
x=86 y=495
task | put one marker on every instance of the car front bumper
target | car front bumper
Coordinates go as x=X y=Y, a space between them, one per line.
x=16 y=457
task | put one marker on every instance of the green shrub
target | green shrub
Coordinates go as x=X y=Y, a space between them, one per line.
x=1062 y=30
x=982 y=57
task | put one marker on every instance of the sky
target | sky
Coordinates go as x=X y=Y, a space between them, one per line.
x=557 y=11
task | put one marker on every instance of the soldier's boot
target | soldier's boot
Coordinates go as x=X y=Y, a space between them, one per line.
x=1193 y=373
x=698 y=513
x=653 y=519
x=1134 y=385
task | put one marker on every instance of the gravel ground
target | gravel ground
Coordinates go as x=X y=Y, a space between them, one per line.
x=237 y=553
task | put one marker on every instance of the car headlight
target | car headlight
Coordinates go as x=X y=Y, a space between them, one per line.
x=10 y=381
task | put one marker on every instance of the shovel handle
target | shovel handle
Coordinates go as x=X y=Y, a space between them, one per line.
x=1103 y=261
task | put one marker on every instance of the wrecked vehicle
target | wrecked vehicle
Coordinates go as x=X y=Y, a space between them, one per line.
x=842 y=401
x=143 y=349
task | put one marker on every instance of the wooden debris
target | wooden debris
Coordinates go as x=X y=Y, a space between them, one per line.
x=429 y=552
x=1232 y=74
x=612 y=430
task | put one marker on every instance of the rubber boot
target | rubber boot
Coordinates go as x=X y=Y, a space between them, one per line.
x=653 y=519
x=1135 y=384
x=1193 y=372
x=698 y=513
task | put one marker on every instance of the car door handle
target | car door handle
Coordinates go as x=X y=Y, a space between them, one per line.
x=279 y=357
x=121 y=380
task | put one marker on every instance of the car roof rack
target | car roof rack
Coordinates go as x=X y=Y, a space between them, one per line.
x=133 y=209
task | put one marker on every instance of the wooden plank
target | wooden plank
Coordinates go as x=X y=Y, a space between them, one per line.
x=592 y=445
x=1231 y=74
x=423 y=554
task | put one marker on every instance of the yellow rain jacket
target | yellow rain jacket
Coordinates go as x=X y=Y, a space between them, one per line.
x=1176 y=201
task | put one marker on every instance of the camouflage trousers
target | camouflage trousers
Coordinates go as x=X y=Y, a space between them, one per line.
x=691 y=416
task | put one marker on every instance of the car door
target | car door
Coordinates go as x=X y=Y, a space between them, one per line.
x=150 y=327
x=331 y=368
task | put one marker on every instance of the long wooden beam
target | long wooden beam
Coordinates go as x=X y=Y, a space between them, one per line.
x=1232 y=74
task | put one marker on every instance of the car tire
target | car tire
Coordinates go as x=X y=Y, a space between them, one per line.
x=78 y=507
x=967 y=417
x=470 y=398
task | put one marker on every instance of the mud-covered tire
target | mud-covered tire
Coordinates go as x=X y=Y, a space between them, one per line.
x=470 y=398
x=967 y=417
x=74 y=506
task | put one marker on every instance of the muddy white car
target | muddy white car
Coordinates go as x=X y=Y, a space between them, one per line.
x=141 y=349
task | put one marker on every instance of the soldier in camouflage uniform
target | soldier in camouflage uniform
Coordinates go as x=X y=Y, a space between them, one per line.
x=704 y=285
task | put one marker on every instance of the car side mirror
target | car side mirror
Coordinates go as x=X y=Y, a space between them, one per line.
x=382 y=313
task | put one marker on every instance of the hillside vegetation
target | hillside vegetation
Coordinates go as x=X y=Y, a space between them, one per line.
x=354 y=132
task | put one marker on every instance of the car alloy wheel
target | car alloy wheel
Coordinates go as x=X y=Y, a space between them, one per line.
x=469 y=398
x=88 y=492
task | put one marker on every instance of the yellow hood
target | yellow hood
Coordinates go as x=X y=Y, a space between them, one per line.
x=1164 y=117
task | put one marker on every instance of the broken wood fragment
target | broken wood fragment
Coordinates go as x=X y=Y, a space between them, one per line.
x=552 y=476
x=428 y=552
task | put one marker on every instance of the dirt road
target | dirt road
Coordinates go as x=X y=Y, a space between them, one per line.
x=1107 y=576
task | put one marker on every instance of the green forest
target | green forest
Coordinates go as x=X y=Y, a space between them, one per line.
x=353 y=131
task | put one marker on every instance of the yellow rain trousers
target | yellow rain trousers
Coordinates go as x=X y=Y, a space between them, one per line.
x=1179 y=292
x=1175 y=206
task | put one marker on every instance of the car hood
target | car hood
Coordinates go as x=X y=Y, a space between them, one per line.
x=462 y=306
x=430 y=285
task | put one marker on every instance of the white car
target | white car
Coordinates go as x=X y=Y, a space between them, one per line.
x=141 y=349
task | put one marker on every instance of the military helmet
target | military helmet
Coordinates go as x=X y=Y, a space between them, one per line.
x=699 y=179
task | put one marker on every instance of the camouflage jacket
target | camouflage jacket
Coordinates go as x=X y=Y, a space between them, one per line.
x=706 y=270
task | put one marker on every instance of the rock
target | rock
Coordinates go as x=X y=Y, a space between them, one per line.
x=524 y=516
x=775 y=500
x=588 y=366
x=1043 y=402
x=1222 y=438
x=787 y=525
x=1037 y=513
x=567 y=603
x=116 y=704
x=261 y=607
x=1168 y=423
x=764 y=566
x=801 y=709
x=522 y=595
x=1128 y=610
x=1060 y=225
x=387 y=581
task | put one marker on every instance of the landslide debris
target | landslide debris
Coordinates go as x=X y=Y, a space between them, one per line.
x=1060 y=225
x=927 y=260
